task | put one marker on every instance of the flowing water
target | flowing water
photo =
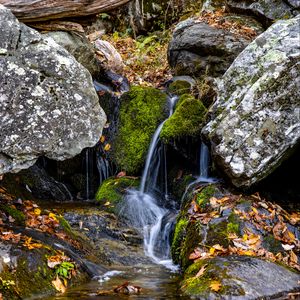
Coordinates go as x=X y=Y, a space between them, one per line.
x=144 y=208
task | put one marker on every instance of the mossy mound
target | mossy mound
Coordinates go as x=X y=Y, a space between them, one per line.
x=112 y=190
x=142 y=109
x=187 y=119
x=180 y=87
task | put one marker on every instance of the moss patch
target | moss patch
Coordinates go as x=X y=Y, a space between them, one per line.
x=112 y=191
x=186 y=121
x=142 y=109
x=14 y=213
x=179 y=236
x=180 y=87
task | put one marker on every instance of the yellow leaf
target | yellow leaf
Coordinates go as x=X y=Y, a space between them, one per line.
x=52 y=216
x=102 y=139
x=107 y=147
x=37 y=211
x=294 y=258
x=215 y=286
x=212 y=251
x=107 y=203
x=255 y=210
x=58 y=284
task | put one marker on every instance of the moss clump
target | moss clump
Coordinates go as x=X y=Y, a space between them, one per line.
x=179 y=236
x=112 y=190
x=141 y=111
x=205 y=194
x=180 y=87
x=186 y=121
x=14 y=213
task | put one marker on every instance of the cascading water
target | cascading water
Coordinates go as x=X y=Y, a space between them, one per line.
x=142 y=209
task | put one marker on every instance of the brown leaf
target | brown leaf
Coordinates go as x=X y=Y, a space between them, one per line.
x=58 y=285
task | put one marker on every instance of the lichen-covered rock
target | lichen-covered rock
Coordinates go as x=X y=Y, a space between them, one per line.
x=141 y=111
x=256 y=120
x=267 y=11
x=48 y=102
x=80 y=47
x=198 y=48
x=187 y=119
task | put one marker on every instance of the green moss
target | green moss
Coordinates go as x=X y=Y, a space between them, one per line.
x=233 y=228
x=179 y=235
x=14 y=213
x=186 y=121
x=214 y=271
x=205 y=194
x=112 y=191
x=30 y=280
x=180 y=87
x=142 y=109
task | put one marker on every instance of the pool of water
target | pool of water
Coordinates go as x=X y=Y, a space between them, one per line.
x=156 y=282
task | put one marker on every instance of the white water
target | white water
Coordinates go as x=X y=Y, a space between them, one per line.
x=203 y=167
x=143 y=211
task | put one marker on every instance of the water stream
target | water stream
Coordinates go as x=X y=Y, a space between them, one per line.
x=144 y=208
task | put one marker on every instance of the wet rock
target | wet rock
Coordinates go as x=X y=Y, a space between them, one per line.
x=43 y=186
x=267 y=11
x=80 y=47
x=112 y=190
x=220 y=239
x=48 y=102
x=198 y=48
x=141 y=111
x=256 y=122
x=187 y=120
x=115 y=242
x=239 y=278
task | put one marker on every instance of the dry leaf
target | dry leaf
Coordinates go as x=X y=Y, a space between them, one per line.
x=215 y=286
x=201 y=271
x=58 y=284
x=107 y=147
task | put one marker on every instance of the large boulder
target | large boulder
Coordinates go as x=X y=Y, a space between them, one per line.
x=80 y=47
x=255 y=119
x=267 y=11
x=48 y=103
x=199 y=48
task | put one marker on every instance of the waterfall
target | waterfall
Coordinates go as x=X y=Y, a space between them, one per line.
x=141 y=207
x=203 y=170
x=89 y=169
x=204 y=161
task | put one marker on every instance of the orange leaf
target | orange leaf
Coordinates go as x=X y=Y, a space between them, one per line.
x=215 y=286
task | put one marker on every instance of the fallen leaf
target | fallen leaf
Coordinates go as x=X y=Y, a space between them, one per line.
x=58 y=285
x=107 y=147
x=201 y=271
x=294 y=258
x=37 y=211
x=102 y=139
x=215 y=286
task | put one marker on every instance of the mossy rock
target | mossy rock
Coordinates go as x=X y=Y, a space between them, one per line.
x=180 y=87
x=187 y=119
x=142 y=109
x=17 y=215
x=112 y=190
